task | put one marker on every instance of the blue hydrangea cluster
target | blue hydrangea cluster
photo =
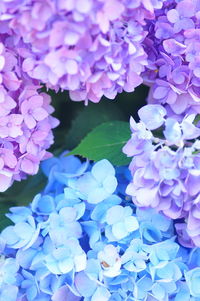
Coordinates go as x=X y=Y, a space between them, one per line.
x=82 y=238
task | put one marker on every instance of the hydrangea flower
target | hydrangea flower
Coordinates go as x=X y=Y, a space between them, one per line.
x=98 y=184
x=120 y=222
x=110 y=261
x=165 y=171
x=73 y=255
x=173 y=48
x=100 y=53
x=25 y=121
x=192 y=278
x=9 y=279
x=23 y=234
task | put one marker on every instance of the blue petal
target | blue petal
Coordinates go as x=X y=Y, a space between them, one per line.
x=114 y=215
x=110 y=184
x=101 y=294
x=101 y=209
x=48 y=164
x=9 y=235
x=158 y=291
x=131 y=223
x=84 y=285
x=102 y=169
x=119 y=230
x=86 y=183
x=97 y=195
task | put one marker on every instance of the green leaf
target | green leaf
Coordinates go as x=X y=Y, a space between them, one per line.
x=105 y=142
x=4 y=221
x=197 y=119
x=88 y=118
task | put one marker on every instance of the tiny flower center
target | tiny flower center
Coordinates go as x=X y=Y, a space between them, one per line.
x=105 y=264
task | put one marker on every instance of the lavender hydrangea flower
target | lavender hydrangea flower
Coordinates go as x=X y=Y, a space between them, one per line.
x=165 y=170
x=73 y=257
x=91 y=48
x=25 y=121
x=173 y=48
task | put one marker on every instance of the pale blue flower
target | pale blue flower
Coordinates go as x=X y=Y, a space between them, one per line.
x=101 y=293
x=100 y=210
x=66 y=257
x=110 y=260
x=163 y=251
x=19 y=214
x=64 y=225
x=23 y=234
x=43 y=204
x=120 y=222
x=8 y=279
x=193 y=279
x=98 y=184
x=84 y=285
x=60 y=170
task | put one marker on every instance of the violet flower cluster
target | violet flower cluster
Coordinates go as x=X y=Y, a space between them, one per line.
x=83 y=239
x=25 y=121
x=166 y=168
x=97 y=47
x=173 y=47
x=89 y=47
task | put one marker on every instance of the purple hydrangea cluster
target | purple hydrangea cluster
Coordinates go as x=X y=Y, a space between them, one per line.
x=173 y=48
x=166 y=168
x=89 y=47
x=69 y=245
x=25 y=121
x=97 y=47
